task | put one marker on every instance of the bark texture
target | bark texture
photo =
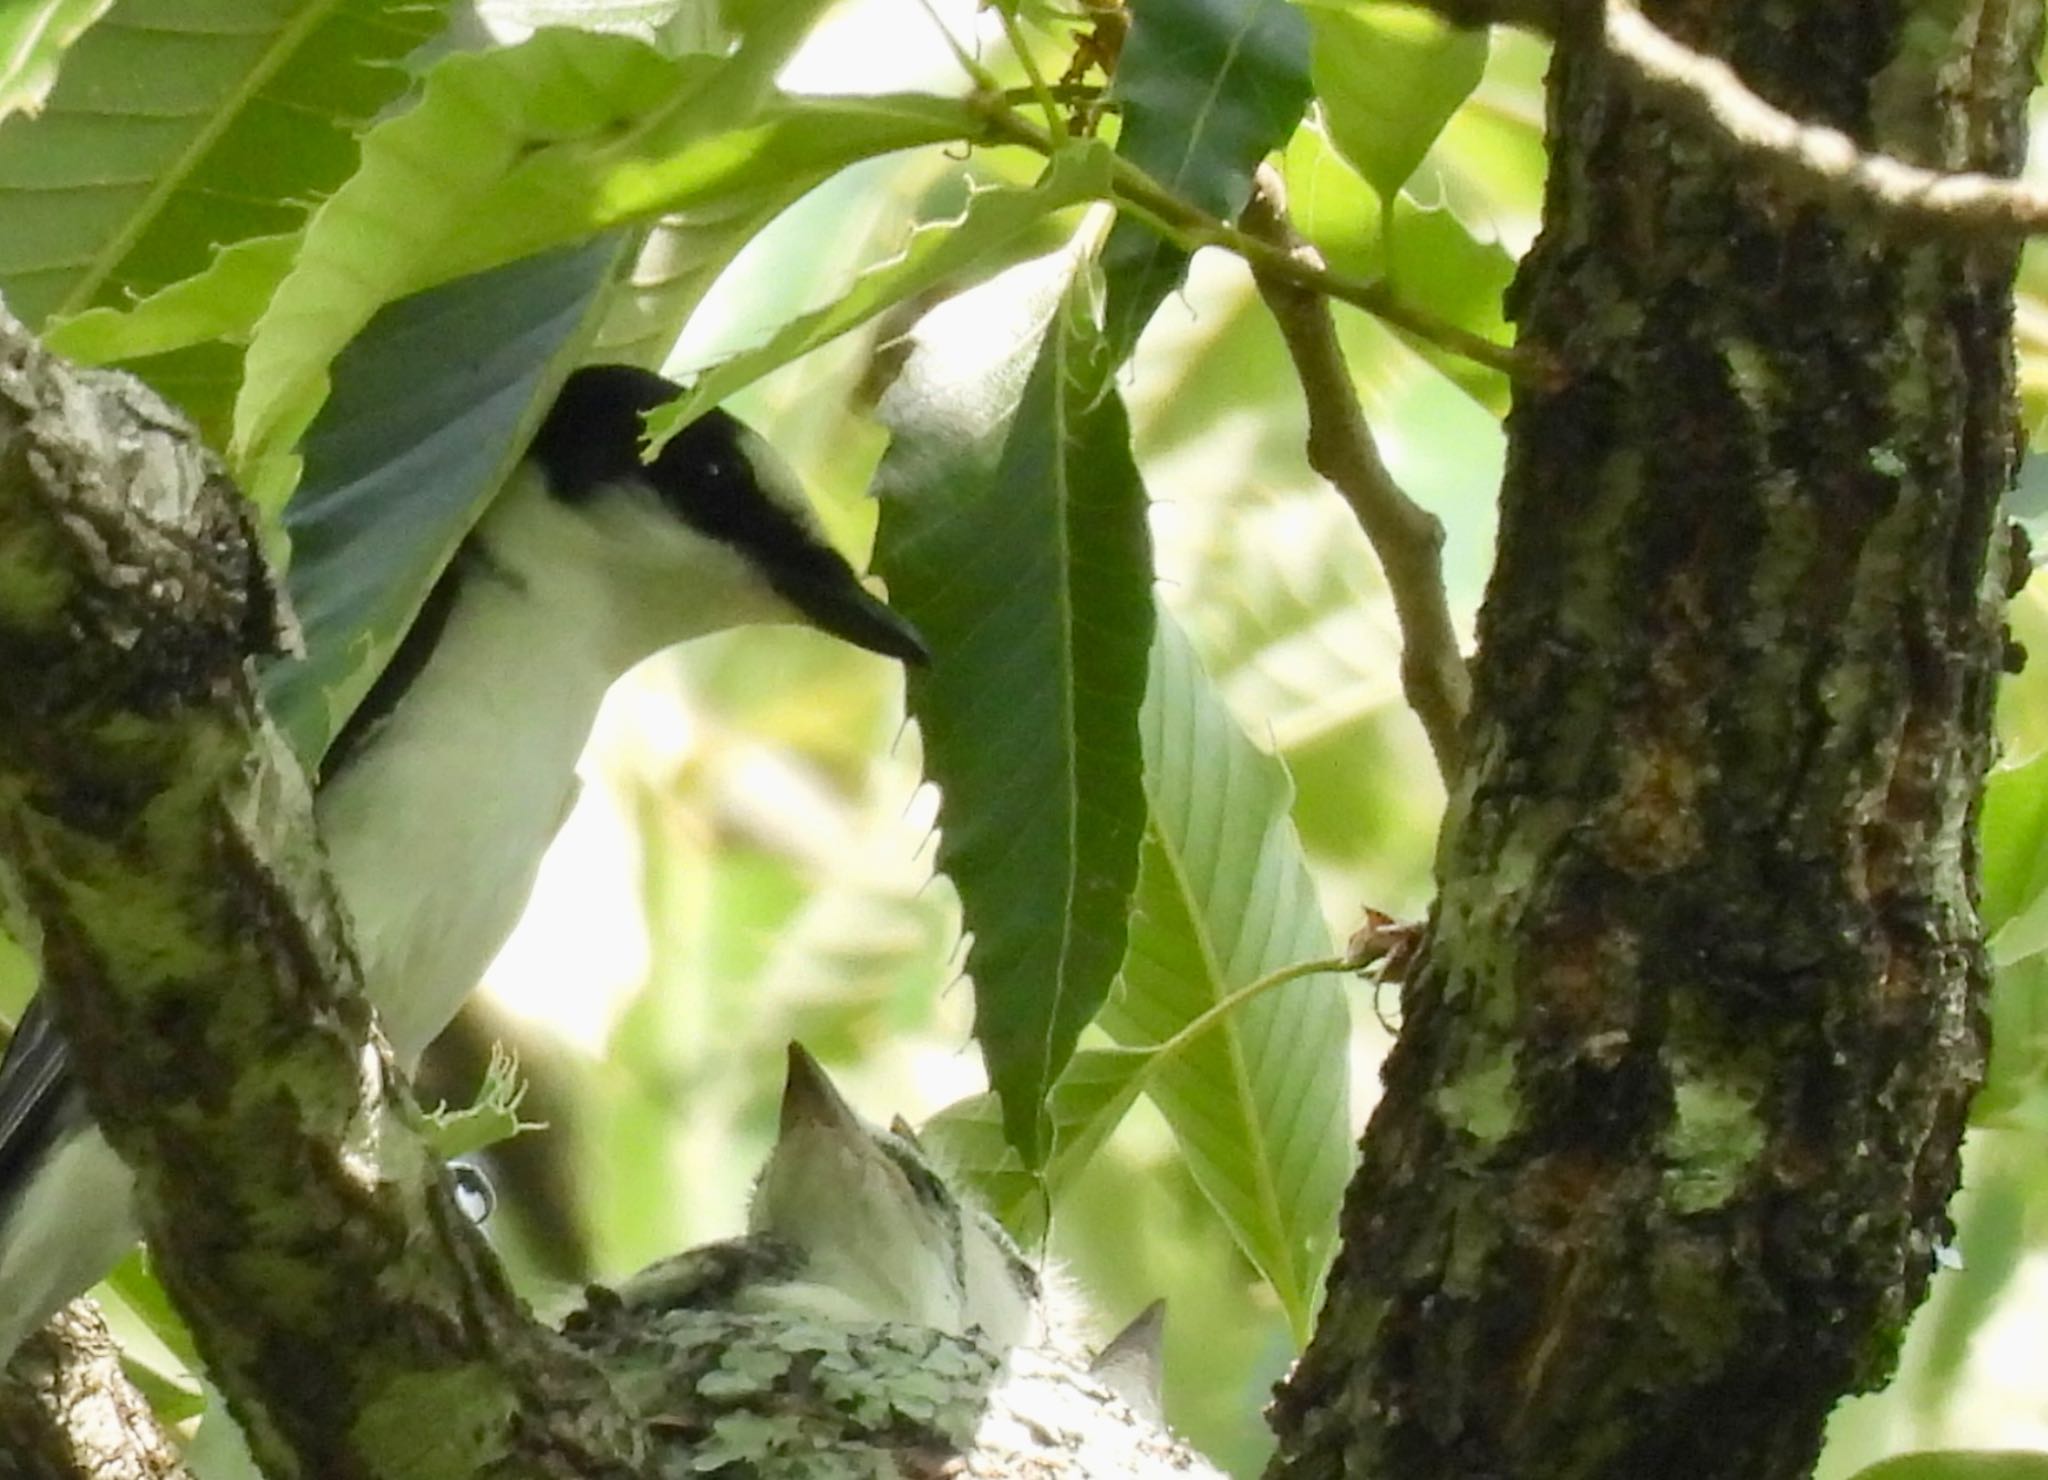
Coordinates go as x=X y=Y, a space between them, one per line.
x=67 y=1409
x=157 y=854
x=1671 y=1128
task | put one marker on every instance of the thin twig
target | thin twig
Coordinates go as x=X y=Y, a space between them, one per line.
x=1407 y=538
x=1809 y=159
x=1188 y=226
x=1821 y=161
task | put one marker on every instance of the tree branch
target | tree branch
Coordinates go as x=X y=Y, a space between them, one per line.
x=1137 y=194
x=157 y=854
x=1408 y=539
x=1809 y=160
x=67 y=1410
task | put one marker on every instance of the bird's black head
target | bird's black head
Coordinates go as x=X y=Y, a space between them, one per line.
x=718 y=477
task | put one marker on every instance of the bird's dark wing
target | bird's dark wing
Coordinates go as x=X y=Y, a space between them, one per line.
x=36 y=1088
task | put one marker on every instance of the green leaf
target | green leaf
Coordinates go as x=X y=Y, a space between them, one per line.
x=2014 y=838
x=1260 y=1102
x=169 y=1399
x=994 y=218
x=517 y=151
x=1389 y=78
x=701 y=157
x=17 y=978
x=223 y=302
x=433 y=403
x=1208 y=88
x=1960 y=1464
x=2015 y=1092
x=179 y=126
x=1089 y=1102
x=34 y=35
x=1426 y=253
x=422 y=173
x=673 y=25
x=1013 y=533
x=135 y=1286
x=492 y=1117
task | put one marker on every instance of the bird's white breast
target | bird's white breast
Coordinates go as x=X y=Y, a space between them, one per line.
x=437 y=828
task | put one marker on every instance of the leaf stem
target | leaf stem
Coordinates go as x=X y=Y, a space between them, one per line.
x=1055 y=123
x=985 y=81
x=1203 y=1021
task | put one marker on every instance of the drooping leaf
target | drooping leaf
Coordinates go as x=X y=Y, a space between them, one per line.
x=422 y=172
x=1260 y=1102
x=1389 y=78
x=967 y=1137
x=1257 y=1091
x=1209 y=88
x=177 y=128
x=993 y=218
x=681 y=253
x=1426 y=253
x=518 y=151
x=431 y=406
x=34 y=35
x=1013 y=533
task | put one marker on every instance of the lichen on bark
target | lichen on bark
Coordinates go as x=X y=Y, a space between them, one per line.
x=1706 y=932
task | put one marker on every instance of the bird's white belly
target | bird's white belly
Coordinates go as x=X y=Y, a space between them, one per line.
x=433 y=888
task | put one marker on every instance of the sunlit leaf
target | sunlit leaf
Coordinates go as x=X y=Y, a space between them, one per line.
x=674 y=25
x=1013 y=534
x=517 y=151
x=1426 y=253
x=1960 y=1464
x=1389 y=77
x=135 y=1286
x=491 y=1116
x=180 y=126
x=2014 y=838
x=223 y=302
x=1208 y=88
x=17 y=978
x=993 y=219
x=34 y=35
x=1260 y=1102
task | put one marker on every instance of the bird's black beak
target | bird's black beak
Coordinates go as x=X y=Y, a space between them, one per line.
x=849 y=611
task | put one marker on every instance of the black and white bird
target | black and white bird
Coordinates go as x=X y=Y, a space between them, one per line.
x=851 y=1223
x=441 y=794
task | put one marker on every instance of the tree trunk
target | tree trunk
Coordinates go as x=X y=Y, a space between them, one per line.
x=1672 y=1125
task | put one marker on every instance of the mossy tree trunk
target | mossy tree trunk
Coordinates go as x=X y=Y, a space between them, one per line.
x=1670 y=1132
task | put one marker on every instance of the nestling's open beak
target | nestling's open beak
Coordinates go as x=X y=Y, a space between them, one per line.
x=848 y=610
